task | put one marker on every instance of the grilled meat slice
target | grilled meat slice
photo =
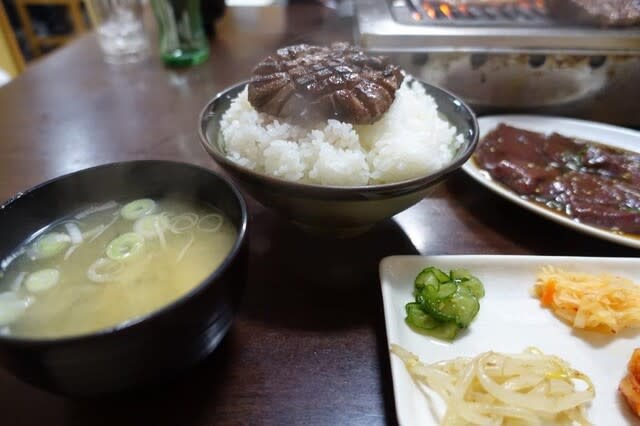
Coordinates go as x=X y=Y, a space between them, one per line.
x=307 y=83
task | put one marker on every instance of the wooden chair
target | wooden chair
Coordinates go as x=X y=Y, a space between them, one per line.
x=11 y=59
x=36 y=42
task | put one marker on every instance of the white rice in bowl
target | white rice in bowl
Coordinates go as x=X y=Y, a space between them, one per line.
x=409 y=141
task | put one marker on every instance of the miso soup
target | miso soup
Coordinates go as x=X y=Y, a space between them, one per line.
x=109 y=264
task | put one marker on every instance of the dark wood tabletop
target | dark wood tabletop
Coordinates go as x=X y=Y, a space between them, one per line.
x=308 y=345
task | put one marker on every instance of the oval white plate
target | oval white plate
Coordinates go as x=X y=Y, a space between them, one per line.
x=587 y=130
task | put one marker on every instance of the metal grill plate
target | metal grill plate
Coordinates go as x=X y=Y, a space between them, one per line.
x=392 y=25
x=500 y=13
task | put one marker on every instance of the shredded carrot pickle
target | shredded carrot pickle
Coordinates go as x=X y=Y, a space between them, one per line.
x=601 y=302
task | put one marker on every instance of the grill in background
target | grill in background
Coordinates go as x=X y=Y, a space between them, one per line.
x=521 y=12
x=509 y=56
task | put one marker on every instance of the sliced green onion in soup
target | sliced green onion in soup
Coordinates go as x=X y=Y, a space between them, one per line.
x=48 y=245
x=125 y=246
x=96 y=209
x=149 y=226
x=17 y=282
x=183 y=222
x=42 y=280
x=74 y=233
x=210 y=223
x=11 y=307
x=104 y=270
x=138 y=208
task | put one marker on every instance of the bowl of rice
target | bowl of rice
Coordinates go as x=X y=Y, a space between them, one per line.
x=334 y=177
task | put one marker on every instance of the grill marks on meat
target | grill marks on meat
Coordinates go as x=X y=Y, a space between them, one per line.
x=307 y=83
x=606 y=13
x=596 y=184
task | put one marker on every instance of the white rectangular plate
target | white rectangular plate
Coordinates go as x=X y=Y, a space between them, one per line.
x=510 y=320
x=586 y=130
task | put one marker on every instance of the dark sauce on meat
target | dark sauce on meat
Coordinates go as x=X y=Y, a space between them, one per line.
x=593 y=183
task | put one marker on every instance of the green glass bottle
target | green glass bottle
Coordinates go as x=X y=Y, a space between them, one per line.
x=182 y=38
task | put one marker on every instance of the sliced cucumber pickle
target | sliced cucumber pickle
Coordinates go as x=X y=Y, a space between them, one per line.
x=441 y=276
x=431 y=276
x=444 y=303
x=440 y=309
x=417 y=317
x=445 y=331
x=465 y=305
x=426 y=278
x=474 y=286
x=460 y=274
x=446 y=290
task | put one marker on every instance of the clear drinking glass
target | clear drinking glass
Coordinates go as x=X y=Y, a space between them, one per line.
x=118 y=24
x=182 y=38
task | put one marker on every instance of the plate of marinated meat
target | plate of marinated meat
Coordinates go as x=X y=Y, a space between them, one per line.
x=581 y=174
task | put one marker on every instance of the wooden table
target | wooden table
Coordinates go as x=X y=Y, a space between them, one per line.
x=308 y=345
